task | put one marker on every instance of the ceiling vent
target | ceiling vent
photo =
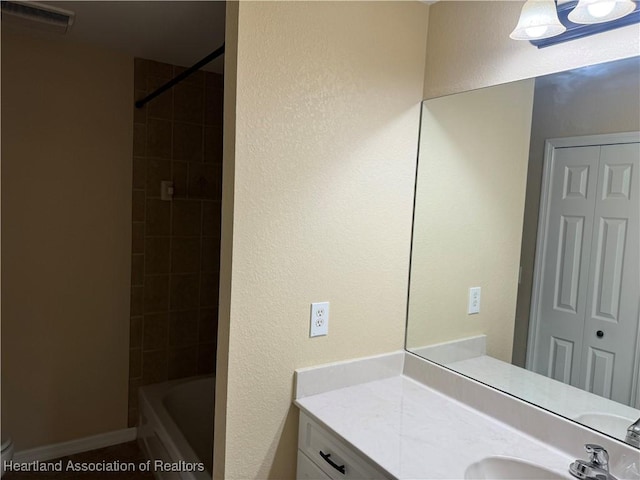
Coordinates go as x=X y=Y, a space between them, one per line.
x=36 y=15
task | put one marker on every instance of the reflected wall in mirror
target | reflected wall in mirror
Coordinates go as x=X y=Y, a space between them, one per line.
x=531 y=191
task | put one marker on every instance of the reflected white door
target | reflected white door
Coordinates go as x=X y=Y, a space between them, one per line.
x=611 y=325
x=588 y=282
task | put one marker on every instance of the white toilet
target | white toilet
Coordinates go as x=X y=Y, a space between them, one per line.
x=7 y=453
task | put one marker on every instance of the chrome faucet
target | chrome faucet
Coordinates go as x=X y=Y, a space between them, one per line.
x=596 y=468
x=633 y=434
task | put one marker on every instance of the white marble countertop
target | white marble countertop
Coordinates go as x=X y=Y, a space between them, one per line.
x=414 y=432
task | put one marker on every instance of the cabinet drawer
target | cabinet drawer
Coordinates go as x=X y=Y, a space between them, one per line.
x=307 y=470
x=334 y=457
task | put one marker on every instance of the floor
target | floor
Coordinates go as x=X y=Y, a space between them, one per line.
x=115 y=455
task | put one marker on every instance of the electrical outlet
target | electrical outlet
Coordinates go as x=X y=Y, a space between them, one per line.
x=474 y=300
x=319 y=319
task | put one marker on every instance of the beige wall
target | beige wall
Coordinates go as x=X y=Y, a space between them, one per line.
x=66 y=224
x=326 y=126
x=469 y=47
x=589 y=102
x=468 y=215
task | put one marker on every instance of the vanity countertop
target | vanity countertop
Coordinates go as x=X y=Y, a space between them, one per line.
x=414 y=432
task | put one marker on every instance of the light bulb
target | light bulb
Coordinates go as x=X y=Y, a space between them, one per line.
x=536 y=32
x=601 y=9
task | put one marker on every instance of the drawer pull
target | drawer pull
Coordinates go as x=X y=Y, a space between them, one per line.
x=326 y=456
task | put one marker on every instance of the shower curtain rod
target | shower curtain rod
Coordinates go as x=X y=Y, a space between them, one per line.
x=212 y=56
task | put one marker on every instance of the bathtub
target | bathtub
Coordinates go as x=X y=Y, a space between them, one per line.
x=175 y=425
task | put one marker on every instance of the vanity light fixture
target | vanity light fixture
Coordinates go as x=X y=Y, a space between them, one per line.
x=577 y=19
x=598 y=11
x=538 y=20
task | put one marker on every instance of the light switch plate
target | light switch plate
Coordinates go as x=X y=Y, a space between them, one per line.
x=319 y=319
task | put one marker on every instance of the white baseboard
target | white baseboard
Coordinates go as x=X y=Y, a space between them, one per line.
x=57 y=450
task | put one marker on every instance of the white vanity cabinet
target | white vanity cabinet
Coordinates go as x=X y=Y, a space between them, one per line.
x=307 y=470
x=321 y=455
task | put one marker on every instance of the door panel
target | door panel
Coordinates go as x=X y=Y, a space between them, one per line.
x=561 y=359
x=617 y=181
x=568 y=268
x=599 y=379
x=610 y=249
x=575 y=182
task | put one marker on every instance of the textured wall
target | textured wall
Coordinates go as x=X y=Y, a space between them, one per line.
x=469 y=47
x=468 y=215
x=325 y=143
x=66 y=239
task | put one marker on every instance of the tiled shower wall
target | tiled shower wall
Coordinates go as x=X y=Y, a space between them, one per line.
x=175 y=244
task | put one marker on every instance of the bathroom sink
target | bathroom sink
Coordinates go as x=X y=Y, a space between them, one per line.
x=507 y=468
x=605 y=422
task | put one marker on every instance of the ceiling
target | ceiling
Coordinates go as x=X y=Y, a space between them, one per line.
x=176 y=32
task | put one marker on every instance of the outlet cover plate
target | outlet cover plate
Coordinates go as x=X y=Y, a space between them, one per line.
x=474 y=300
x=319 y=319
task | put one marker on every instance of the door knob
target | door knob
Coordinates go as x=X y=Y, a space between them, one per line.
x=599 y=334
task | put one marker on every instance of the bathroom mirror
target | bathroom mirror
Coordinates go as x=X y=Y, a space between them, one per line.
x=525 y=252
